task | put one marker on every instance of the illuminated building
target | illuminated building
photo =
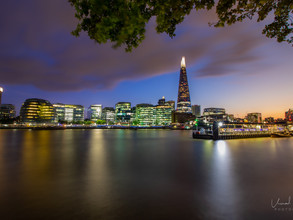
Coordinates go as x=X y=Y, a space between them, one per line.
x=108 y=114
x=162 y=101
x=183 y=101
x=196 y=110
x=95 y=112
x=163 y=114
x=7 y=111
x=215 y=114
x=68 y=113
x=145 y=114
x=171 y=103
x=37 y=111
x=123 y=112
x=214 y=111
x=1 y=91
x=289 y=115
x=269 y=120
x=254 y=117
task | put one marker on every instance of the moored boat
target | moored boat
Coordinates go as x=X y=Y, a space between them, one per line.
x=280 y=134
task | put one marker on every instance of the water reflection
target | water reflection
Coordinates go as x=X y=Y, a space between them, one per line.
x=99 y=189
x=125 y=174
x=223 y=186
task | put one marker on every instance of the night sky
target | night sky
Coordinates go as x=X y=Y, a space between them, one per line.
x=236 y=67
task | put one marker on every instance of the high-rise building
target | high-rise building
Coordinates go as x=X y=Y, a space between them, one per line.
x=145 y=114
x=254 y=117
x=123 y=112
x=108 y=114
x=1 y=91
x=7 y=111
x=183 y=101
x=37 y=111
x=68 y=113
x=95 y=112
x=196 y=110
x=289 y=115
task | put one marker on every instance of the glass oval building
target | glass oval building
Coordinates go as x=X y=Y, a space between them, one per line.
x=37 y=111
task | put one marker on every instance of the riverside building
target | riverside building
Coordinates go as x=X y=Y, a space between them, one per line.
x=145 y=114
x=254 y=117
x=123 y=112
x=108 y=114
x=37 y=111
x=68 y=113
x=214 y=114
x=95 y=112
x=163 y=114
x=7 y=111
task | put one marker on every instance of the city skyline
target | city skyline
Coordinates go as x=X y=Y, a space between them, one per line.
x=235 y=67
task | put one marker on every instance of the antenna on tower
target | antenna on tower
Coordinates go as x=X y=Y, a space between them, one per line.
x=183 y=62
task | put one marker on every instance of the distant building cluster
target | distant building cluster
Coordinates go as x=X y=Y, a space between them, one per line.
x=36 y=110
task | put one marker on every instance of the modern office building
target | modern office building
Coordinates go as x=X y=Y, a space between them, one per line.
x=123 y=112
x=37 y=111
x=213 y=111
x=95 y=112
x=7 y=111
x=289 y=115
x=254 y=117
x=196 y=110
x=269 y=120
x=215 y=114
x=108 y=114
x=68 y=113
x=145 y=114
x=183 y=101
x=163 y=114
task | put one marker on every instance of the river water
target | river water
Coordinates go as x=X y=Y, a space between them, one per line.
x=143 y=174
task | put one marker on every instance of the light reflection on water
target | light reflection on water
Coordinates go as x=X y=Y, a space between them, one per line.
x=143 y=174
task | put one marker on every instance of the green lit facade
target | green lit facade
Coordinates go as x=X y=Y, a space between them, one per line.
x=123 y=112
x=149 y=115
x=37 y=111
x=145 y=114
x=164 y=115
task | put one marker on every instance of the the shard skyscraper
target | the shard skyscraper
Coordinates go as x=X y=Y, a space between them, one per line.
x=183 y=101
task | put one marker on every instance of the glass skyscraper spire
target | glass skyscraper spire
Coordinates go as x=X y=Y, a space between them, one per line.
x=183 y=101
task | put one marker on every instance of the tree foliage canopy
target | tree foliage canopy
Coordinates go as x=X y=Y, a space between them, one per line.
x=123 y=22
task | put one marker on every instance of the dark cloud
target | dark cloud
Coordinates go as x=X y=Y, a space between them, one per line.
x=37 y=49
